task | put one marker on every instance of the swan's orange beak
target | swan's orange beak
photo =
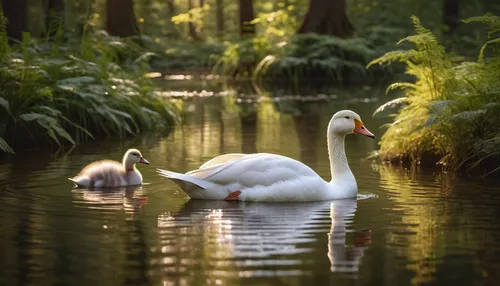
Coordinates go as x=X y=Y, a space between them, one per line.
x=361 y=129
x=144 y=161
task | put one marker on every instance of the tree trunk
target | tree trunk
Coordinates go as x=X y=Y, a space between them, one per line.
x=199 y=29
x=171 y=8
x=120 y=18
x=220 y=18
x=16 y=13
x=54 y=17
x=192 y=28
x=450 y=15
x=246 y=15
x=327 y=17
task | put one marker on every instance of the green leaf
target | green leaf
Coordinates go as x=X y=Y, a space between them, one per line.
x=5 y=104
x=483 y=48
x=145 y=57
x=79 y=80
x=5 y=147
x=50 y=124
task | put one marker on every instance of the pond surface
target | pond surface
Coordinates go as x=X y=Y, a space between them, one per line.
x=409 y=227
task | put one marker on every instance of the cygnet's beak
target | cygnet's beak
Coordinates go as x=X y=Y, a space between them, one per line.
x=361 y=129
x=144 y=161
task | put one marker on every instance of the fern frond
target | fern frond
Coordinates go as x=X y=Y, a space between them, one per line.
x=483 y=48
x=468 y=115
x=390 y=104
x=418 y=26
x=438 y=106
x=402 y=85
x=490 y=19
x=393 y=56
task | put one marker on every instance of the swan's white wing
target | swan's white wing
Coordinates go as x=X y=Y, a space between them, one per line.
x=222 y=159
x=254 y=169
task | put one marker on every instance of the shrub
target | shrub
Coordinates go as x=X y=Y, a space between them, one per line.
x=59 y=94
x=451 y=113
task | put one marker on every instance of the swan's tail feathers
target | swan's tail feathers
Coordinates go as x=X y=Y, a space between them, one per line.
x=187 y=183
x=80 y=181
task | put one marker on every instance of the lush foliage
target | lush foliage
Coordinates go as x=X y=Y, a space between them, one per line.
x=53 y=93
x=451 y=113
x=276 y=51
x=86 y=84
x=279 y=53
x=316 y=56
x=185 y=56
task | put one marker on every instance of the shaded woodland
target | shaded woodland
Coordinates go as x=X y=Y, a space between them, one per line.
x=77 y=70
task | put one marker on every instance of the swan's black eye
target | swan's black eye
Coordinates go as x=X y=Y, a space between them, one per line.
x=347 y=117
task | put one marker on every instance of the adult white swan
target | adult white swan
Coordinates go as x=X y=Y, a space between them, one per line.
x=274 y=178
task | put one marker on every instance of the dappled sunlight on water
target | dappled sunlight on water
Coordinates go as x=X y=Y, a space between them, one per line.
x=407 y=227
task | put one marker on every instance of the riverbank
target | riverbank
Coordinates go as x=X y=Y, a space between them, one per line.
x=54 y=93
x=450 y=115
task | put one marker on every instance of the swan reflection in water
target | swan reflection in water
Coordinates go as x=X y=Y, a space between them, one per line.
x=131 y=199
x=266 y=235
x=345 y=258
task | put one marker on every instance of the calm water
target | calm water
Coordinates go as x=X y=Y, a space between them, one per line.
x=409 y=227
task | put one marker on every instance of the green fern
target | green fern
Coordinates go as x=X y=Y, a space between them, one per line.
x=451 y=112
x=489 y=19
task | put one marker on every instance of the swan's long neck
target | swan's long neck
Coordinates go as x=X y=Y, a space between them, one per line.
x=128 y=164
x=336 y=152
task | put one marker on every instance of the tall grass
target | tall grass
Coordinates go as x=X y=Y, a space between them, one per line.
x=451 y=114
x=55 y=94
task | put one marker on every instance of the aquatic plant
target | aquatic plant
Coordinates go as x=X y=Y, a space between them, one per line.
x=451 y=114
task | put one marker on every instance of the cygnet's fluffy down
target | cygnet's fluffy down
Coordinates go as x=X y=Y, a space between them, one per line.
x=109 y=174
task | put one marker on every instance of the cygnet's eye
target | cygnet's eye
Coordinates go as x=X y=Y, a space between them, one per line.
x=347 y=117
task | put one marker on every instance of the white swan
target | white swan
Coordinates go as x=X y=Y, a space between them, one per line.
x=274 y=178
x=110 y=174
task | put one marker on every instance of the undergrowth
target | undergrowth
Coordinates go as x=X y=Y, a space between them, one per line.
x=451 y=114
x=279 y=53
x=186 y=56
x=57 y=94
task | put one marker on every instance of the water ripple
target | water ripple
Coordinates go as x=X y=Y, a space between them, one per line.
x=255 y=235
